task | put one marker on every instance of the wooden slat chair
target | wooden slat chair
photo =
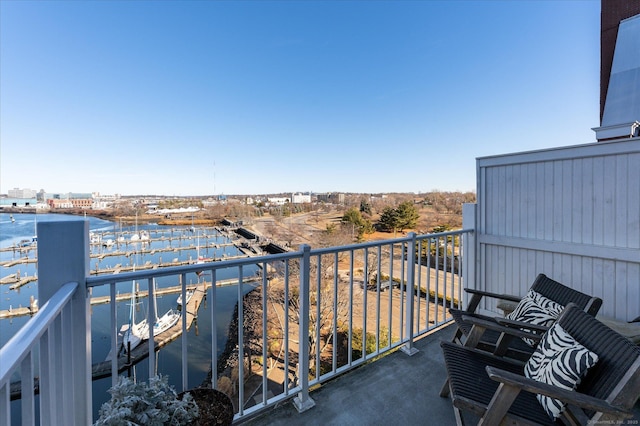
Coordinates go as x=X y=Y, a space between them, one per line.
x=493 y=341
x=496 y=390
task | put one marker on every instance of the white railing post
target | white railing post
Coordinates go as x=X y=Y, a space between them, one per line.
x=63 y=256
x=410 y=289
x=303 y=402
x=469 y=279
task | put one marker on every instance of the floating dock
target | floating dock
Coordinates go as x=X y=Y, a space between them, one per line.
x=100 y=300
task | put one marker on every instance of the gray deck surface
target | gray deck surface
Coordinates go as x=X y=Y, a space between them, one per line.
x=395 y=390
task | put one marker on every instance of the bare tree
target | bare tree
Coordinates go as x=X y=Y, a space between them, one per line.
x=321 y=310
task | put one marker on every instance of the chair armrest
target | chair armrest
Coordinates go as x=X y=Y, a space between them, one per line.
x=477 y=295
x=493 y=295
x=494 y=324
x=479 y=326
x=521 y=325
x=570 y=397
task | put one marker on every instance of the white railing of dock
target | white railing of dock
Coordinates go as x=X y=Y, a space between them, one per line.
x=316 y=314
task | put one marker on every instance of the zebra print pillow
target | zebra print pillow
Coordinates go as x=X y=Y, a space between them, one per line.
x=561 y=361
x=536 y=309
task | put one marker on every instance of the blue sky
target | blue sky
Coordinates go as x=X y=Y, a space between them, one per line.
x=253 y=97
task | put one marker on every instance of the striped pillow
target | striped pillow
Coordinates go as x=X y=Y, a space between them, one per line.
x=536 y=309
x=561 y=361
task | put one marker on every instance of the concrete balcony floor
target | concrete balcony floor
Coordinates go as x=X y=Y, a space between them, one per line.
x=395 y=390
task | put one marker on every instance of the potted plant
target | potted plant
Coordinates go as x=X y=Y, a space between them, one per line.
x=146 y=403
x=157 y=403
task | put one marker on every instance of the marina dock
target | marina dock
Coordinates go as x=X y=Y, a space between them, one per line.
x=125 y=361
x=120 y=297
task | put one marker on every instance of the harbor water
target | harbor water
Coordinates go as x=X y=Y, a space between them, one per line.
x=165 y=245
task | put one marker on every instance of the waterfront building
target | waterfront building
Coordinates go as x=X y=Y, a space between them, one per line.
x=17 y=202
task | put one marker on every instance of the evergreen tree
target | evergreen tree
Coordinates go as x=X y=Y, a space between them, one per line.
x=365 y=207
x=407 y=215
x=360 y=225
x=389 y=220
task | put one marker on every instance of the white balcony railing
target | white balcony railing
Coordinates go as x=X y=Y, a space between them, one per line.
x=321 y=312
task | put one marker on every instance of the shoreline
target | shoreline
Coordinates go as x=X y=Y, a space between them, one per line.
x=125 y=219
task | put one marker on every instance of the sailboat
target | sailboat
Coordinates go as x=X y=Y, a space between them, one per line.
x=136 y=333
x=136 y=236
x=189 y=296
x=166 y=321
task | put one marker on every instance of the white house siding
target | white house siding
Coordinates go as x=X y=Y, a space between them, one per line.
x=572 y=213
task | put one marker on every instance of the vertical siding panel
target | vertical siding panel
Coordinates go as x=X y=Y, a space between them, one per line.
x=576 y=272
x=512 y=202
x=621 y=201
x=567 y=200
x=633 y=298
x=586 y=279
x=540 y=263
x=608 y=194
x=531 y=210
x=622 y=307
x=523 y=276
x=633 y=199
x=499 y=215
x=549 y=202
x=558 y=206
x=509 y=271
x=522 y=205
x=587 y=201
x=531 y=266
x=576 y=201
x=634 y=202
x=482 y=197
x=548 y=264
x=495 y=202
x=540 y=191
x=610 y=291
x=599 y=224
x=598 y=279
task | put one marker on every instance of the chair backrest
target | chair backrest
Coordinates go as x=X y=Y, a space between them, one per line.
x=564 y=295
x=616 y=375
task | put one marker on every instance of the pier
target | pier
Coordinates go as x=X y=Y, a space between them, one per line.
x=120 y=297
x=127 y=360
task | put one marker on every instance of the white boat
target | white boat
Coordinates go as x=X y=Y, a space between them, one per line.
x=136 y=235
x=136 y=333
x=189 y=296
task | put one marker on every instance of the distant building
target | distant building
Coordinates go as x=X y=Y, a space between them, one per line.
x=332 y=197
x=18 y=202
x=81 y=203
x=300 y=198
x=71 y=200
x=22 y=193
x=57 y=203
x=278 y=201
